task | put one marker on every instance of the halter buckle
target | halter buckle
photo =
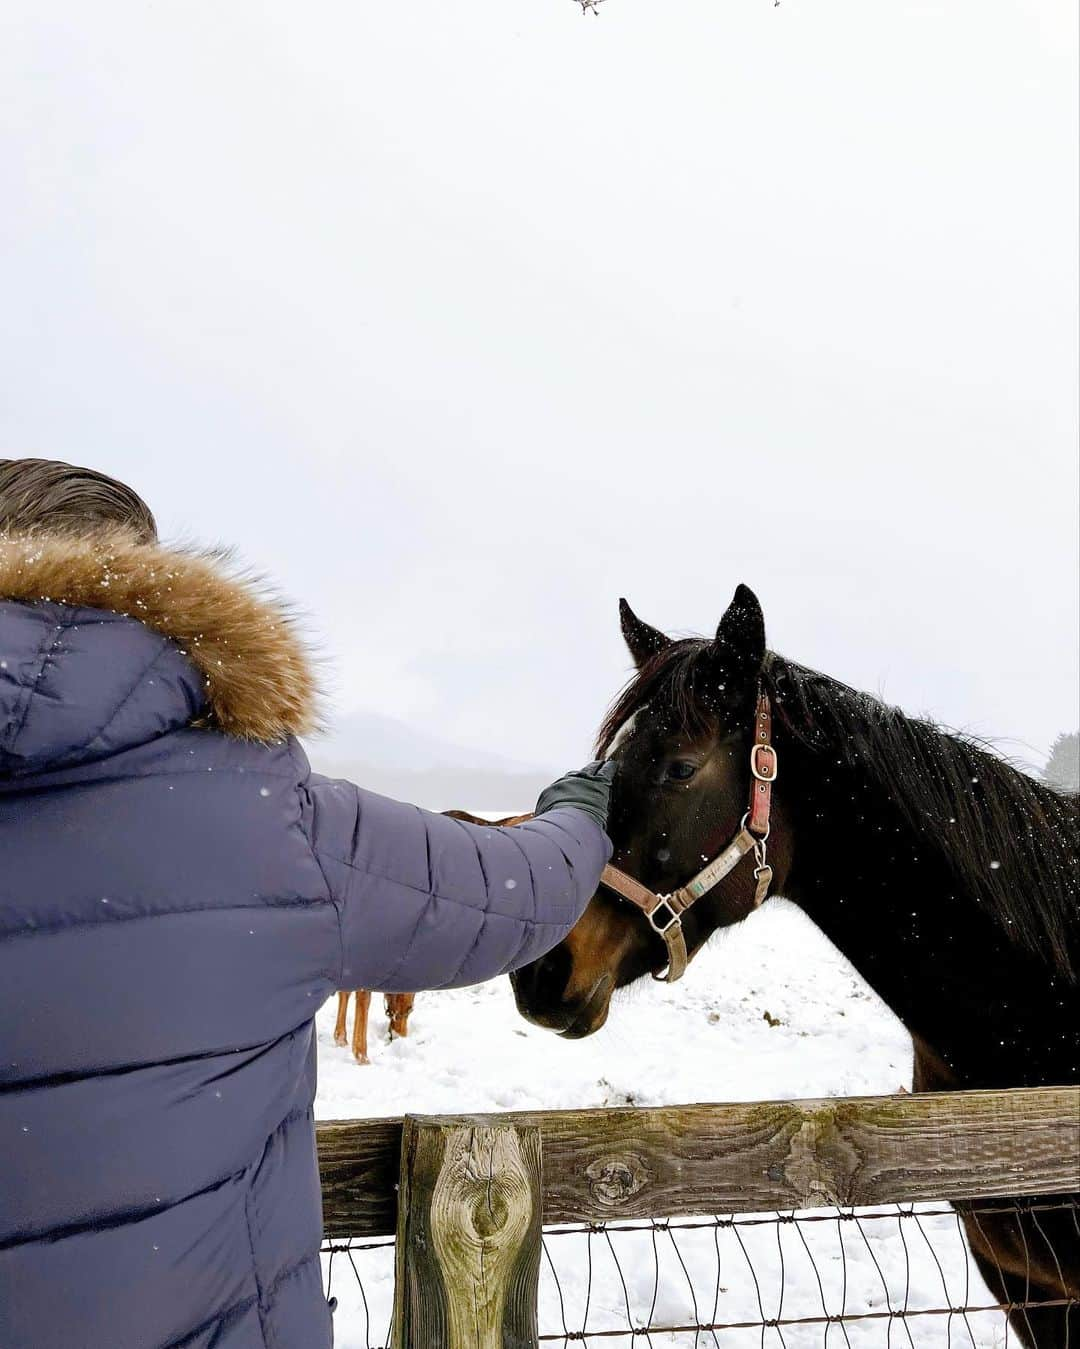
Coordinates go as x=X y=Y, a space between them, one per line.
x=763 y=771
x=668 y=913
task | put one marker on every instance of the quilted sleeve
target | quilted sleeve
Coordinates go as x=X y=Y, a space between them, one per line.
x=429 y=902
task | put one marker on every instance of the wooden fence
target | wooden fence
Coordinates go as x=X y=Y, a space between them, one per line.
x=467 y=1196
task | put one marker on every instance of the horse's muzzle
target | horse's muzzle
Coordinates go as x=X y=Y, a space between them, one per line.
x=570 y=1020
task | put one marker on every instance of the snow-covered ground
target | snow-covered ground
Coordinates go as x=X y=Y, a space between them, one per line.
x=769 y=1010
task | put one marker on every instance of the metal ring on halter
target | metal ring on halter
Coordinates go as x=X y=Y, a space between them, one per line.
x=660 y=927
x=764 y=838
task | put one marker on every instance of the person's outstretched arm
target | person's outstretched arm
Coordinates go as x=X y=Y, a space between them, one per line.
x=430 y=902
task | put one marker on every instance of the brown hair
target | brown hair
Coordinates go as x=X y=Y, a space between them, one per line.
x=49 y=496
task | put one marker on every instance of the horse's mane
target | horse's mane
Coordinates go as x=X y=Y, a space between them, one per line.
x=1009 y=841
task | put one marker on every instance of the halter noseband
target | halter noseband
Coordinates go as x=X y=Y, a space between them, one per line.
x=664 y=912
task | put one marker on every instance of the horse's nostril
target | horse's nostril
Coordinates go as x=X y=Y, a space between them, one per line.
x=553 y=971
x=541 y=984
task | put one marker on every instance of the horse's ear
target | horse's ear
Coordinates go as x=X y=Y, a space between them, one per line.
x=739 y=647
x=644 y=642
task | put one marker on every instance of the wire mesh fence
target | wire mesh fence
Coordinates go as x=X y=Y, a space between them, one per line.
x=900 y=1275
x=359 y=1281
x=837 y=1278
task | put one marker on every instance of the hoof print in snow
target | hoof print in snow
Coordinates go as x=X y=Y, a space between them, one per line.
x=773 y=1020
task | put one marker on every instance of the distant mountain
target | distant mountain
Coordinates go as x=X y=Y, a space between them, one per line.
x=399 y=745
x=410 y=764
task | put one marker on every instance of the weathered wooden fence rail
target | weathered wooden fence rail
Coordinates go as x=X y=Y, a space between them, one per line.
x=467 y=1196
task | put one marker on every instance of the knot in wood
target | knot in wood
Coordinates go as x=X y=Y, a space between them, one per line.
x=474 y=1189
x=489 y=1212
x=484 y=1180
x=821 y=1164
x=615 y=1179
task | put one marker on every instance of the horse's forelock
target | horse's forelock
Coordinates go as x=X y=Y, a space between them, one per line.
x=665 y=682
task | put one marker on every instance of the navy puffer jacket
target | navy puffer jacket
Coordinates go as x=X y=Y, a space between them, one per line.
x=178 y=896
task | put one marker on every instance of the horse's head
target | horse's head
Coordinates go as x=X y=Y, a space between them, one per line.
x=680 y=734
x=398 y=1010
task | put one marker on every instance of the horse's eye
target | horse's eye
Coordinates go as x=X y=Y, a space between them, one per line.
x=681 y=770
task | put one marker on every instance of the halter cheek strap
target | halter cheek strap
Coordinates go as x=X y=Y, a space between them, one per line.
x=664 y=912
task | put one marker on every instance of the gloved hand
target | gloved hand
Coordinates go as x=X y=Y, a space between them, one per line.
x=588 y=789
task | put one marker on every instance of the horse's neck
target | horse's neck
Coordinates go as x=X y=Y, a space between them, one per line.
x=886 y=897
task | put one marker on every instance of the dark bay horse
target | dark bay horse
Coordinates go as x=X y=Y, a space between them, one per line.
x=945 y=875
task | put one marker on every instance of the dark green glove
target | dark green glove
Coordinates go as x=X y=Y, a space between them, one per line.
x=588 y=789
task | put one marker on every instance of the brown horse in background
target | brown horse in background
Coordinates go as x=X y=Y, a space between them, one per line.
x=398 y=1005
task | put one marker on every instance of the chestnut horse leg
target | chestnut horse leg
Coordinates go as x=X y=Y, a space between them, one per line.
x=341 y=1036
x=360 y=1020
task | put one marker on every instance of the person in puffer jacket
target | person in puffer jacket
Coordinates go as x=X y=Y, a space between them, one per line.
x=179 y=894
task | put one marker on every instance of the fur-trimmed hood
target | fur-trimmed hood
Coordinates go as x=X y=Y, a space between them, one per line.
x=232 y=656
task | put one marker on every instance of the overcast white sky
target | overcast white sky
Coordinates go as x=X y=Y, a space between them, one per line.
x=464 y=317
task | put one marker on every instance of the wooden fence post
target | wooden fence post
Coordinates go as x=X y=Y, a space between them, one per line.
x=467 y=1264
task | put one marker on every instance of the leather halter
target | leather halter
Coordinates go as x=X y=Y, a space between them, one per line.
x=664 y=912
